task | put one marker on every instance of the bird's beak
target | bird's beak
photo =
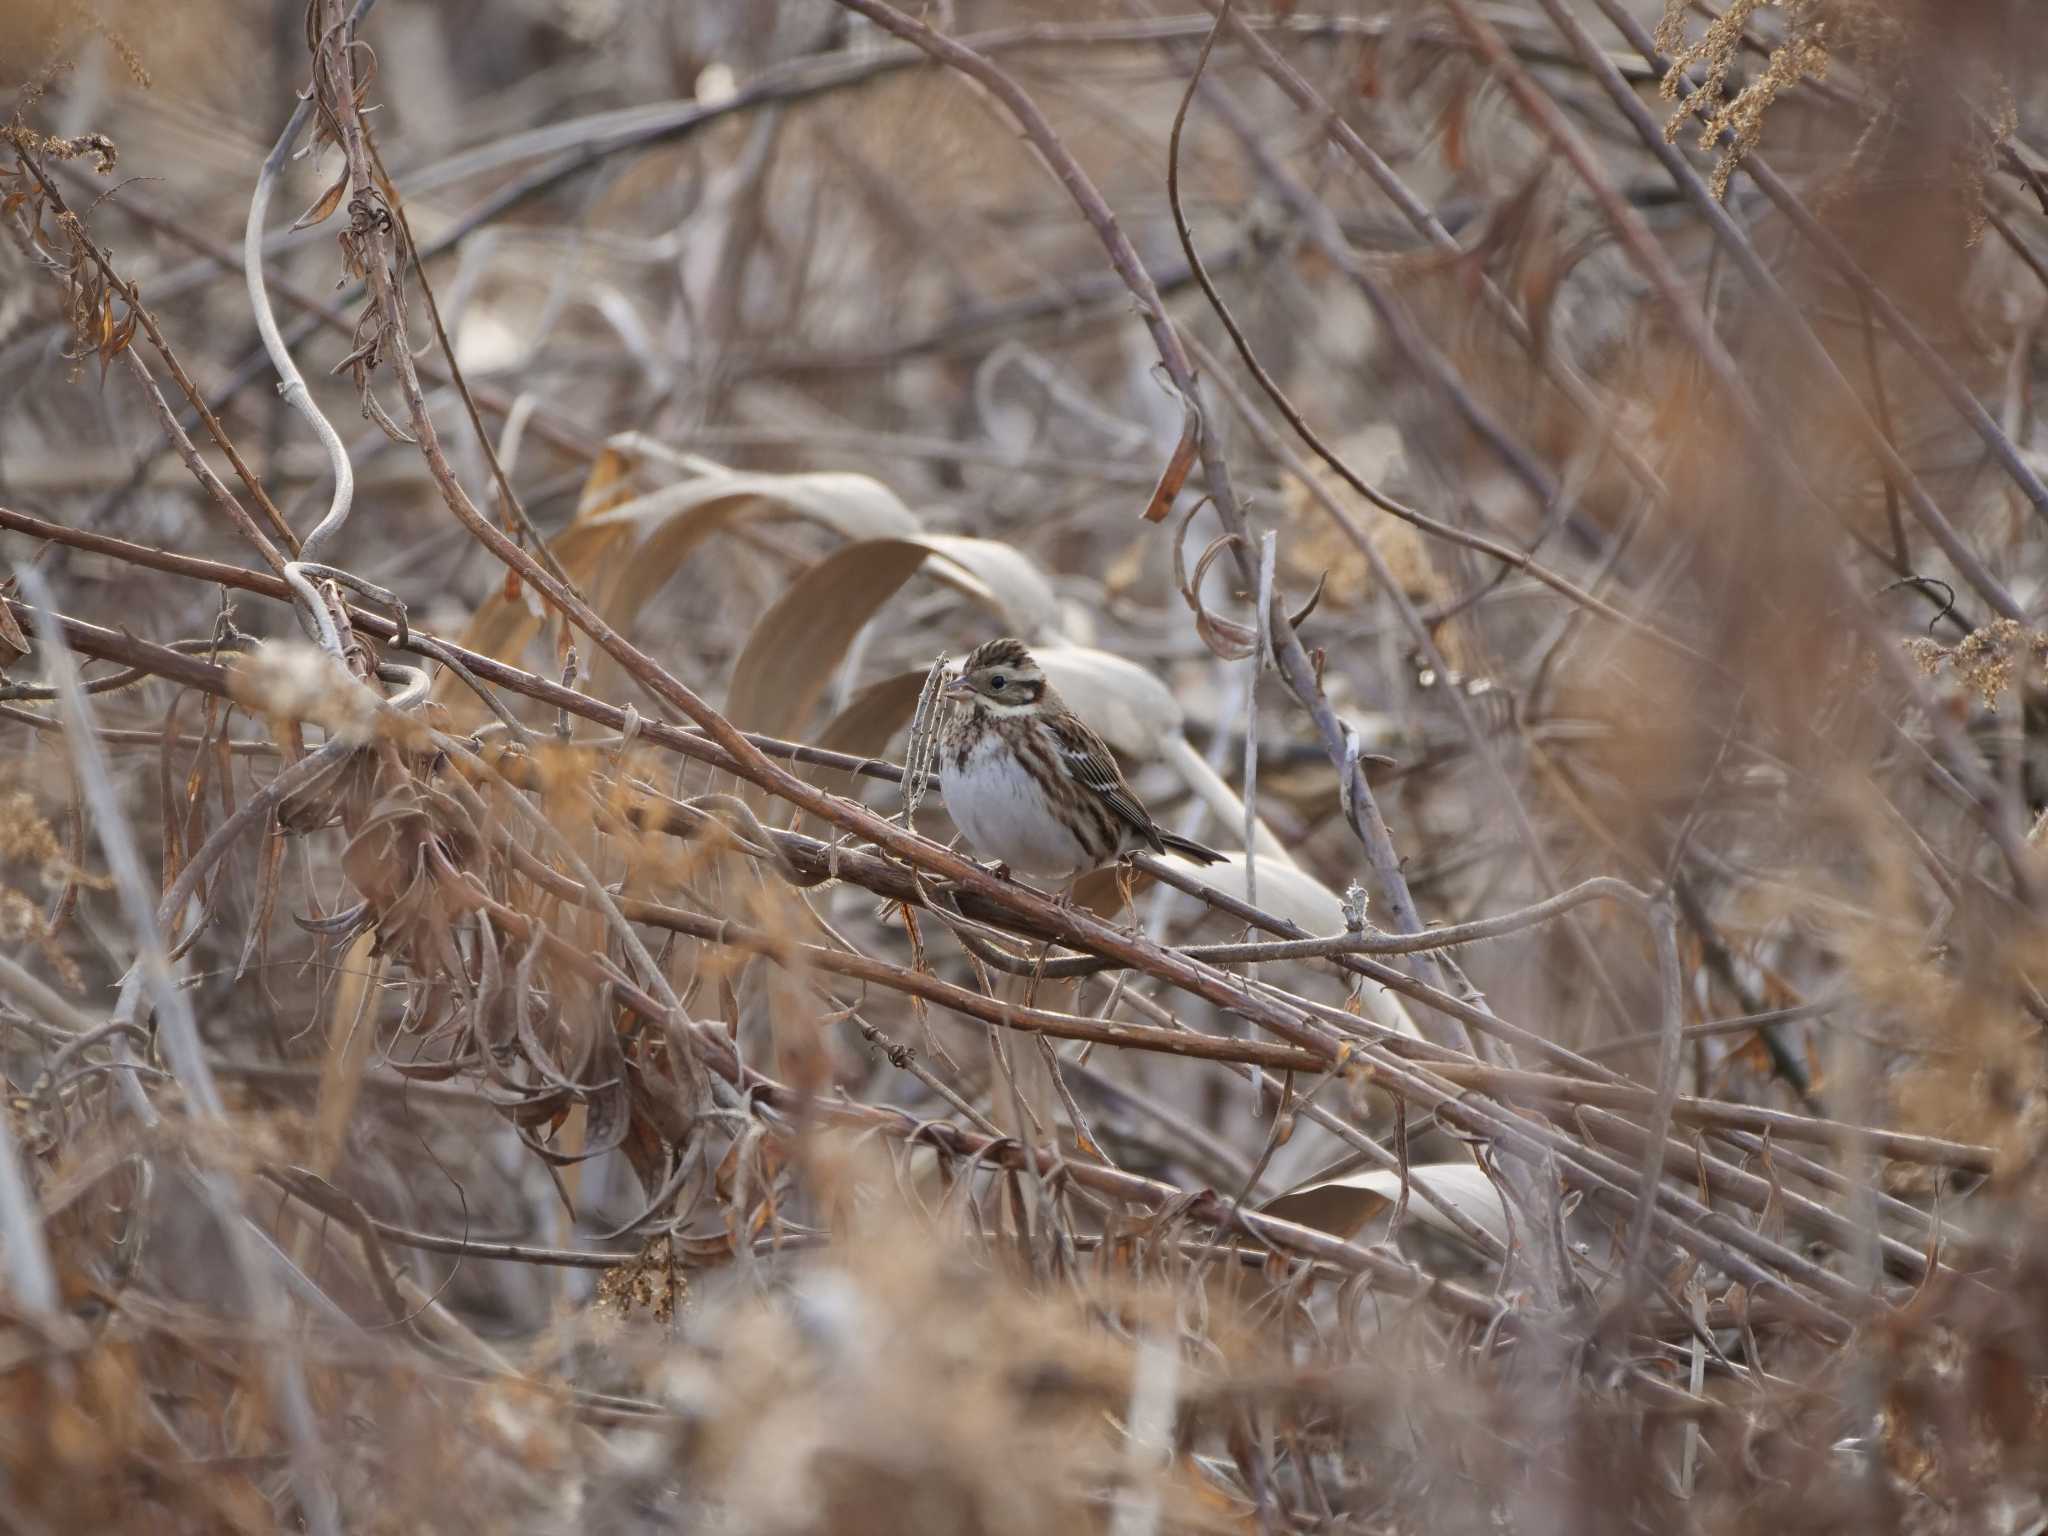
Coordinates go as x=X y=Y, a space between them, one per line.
x=957 y=687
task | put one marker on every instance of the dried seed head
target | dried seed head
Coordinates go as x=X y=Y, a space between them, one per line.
x=922 y=750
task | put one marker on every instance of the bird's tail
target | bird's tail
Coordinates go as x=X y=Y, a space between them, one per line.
x=1188 y=846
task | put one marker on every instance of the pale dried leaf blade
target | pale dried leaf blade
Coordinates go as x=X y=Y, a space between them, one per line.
x=798 y=644
x=999 y=576
x=1284 y=891
x=506 y=625
x=623 y=549
x=854 y=506
x=657 y=533
x=870 y=720
x=350 y=1038
x=1223 y=801
x=1343 y=1207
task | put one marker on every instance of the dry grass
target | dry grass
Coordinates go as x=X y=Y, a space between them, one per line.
x=485 y=1046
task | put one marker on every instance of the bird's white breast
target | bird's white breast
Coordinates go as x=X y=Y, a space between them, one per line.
x=1004 y=814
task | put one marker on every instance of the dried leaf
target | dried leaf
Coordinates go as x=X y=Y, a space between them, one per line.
x=1284 y=890
x=798 y=644
x=351 y=1038
x=1343 y=1206
x=13 y=643
x=999 y=576
x=329 y=201
x=1226 y=638
x=1175 y=475
x=623 y=549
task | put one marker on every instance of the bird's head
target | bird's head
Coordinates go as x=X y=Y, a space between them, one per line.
x=999 y=676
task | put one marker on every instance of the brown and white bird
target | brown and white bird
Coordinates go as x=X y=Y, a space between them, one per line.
x=1028 y=784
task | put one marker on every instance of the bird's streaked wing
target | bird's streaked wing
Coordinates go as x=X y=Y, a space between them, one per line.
x=1087 y=757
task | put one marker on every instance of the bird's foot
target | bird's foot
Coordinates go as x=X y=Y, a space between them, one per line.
x=1126 y=890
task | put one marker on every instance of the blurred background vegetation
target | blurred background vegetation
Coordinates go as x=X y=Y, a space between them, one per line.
x=1569 y=473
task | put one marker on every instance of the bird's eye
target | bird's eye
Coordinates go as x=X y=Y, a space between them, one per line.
x=997 y=682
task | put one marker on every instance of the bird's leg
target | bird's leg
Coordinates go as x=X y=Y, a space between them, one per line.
x=1126 y=874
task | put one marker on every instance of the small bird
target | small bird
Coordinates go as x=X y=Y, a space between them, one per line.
x=1028 y=784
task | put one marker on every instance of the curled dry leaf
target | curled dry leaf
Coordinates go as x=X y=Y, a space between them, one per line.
x=321 y=210
x=623 y=551
x=1229 y=647
x=999 y=576
x=870 y=721
x=1344 y=1206
x=1225 y=637
x=387 y=858
x=665 y=527
x=1231 y=641
x=1175 y=475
